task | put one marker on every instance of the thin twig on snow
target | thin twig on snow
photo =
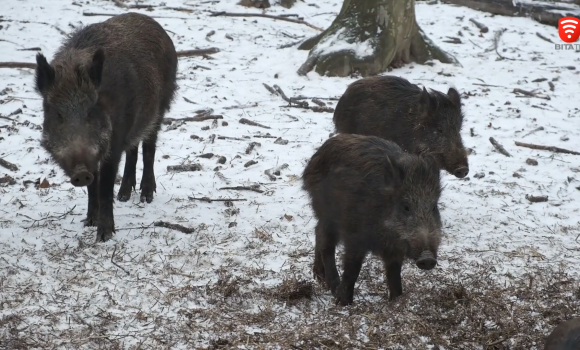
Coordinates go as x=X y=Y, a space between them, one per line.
x=499 y=147
x=281 y=18
x=546 y=148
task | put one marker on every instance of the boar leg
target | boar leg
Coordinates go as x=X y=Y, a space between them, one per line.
x=129 y=182
x=353 y=260
x=93 y=207
x=106 y=225
x=318 y=268
x=393 y=269
x=148 y=185
x=325 y=246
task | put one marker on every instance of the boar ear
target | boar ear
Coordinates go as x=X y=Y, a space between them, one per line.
x=394 y=175
x=426 y=104
x=96 y=68
x=454 y=97
x=44 y=74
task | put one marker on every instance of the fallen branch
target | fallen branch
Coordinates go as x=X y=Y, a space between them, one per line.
x=185 y=53
x=296 y=103
x=3 y=117
x=289 y=100
x=17 y=65
x=230 y=138
x=482 y=27
x=529 y=94
x=244 y=188
x=496 y=37
x=251 y=147
x=198 y=52
x=198 y=118
x=270 y=89
x=114 y=263
x=536 y=199
x=541 y=12
x=96 y=14
x=209 y=200
x=50 y=218
x=546 y=148
x=499 y=147
x=183 y=168
x=176 y=227
x=6 y=164
x=543 y=38
x=252 y=123
x=231 y=14
x=533 y=131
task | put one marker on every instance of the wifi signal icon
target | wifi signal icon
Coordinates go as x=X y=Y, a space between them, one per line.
x=569 y=29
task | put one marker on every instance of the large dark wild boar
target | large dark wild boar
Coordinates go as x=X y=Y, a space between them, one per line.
x=566 y=336
x=420 y=122
x=373 y=197
x=107 y=89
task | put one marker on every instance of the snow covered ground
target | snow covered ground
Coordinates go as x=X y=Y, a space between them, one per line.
x=243 y=278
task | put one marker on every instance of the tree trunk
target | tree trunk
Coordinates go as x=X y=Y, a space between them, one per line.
x=542 y=12
x=369 y=36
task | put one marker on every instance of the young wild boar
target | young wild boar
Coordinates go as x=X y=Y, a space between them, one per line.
x=565 y=337
x=373 y=197
x=420 y=122
x=106 y=89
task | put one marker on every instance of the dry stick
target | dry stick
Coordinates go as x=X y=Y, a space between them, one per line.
x=198 y=52
x=289 y=100
x=496 y=37
x=94 y=14
x=114 y=263
x=270 y=89
x=543 y=37
x=243 y=188
x=198 y=118
x=536 y=199
x=231 y=14
x=546 y=148
x=209 y=200
x=533 y=131
x=3 y=117
x=185 y=53
x=529 y=93
x=176 y=227
x=252 y=123
x=184 y=167
x=482 y=27
x=17 y=65
x=499 y=147
x=6 y=164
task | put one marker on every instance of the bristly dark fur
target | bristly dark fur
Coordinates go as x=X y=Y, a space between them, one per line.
x=566 y=336
x=420 y=122
x=107 y=89
x=371 y=195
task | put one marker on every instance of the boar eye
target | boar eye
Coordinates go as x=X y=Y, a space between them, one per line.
x=407 y=209
x=440 y=130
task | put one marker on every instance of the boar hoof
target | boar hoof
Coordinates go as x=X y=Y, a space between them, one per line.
x=89 y=221
x=104 y=234
x=147 y=198
x=123 y=195
x=319 y=274
x=343 y=298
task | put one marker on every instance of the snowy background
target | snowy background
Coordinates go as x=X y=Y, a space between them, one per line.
x=243 y=278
